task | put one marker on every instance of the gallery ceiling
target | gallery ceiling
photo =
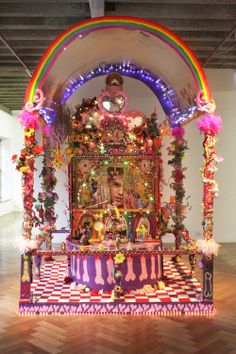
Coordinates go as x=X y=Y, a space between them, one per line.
x=27 y=28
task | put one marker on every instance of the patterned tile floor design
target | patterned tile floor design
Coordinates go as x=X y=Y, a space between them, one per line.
x=51 y=287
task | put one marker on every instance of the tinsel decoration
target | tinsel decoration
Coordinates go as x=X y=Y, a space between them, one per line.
x=60 y=127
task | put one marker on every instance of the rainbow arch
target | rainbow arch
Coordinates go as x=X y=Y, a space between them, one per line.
x=53 y=52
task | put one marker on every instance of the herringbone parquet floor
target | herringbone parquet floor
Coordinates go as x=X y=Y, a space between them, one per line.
x=113 y=334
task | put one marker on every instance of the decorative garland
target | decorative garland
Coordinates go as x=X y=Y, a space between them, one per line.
x=177 y=151
x=25 y=161
x=47 y=199
x=210 y=125
x=85 y=106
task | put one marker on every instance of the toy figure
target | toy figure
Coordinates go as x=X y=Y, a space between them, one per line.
x=86 y=233
x=142 y=232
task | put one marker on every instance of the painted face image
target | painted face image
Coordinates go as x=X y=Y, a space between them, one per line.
x=116 y=186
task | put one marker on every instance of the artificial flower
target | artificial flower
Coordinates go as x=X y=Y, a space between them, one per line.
x=23 y=169
x=68 y=280
x=161 y=285
x=119 y=258
x=118 y=288
x=14 y=158
x=29 y=132
x=69 y=151
x=23 y=154
x=178 y=132
x=38 y=150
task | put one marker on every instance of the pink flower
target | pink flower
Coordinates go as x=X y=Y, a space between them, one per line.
x=178 y=132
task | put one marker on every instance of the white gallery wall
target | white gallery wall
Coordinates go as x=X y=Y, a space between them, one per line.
x=223 y=85
x=11 y=136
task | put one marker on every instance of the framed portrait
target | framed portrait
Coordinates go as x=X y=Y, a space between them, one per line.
x=122 y=182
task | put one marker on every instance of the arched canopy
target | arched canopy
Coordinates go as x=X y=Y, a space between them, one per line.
x=100 y=42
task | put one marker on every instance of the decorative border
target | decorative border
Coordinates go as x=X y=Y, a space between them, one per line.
x=113 y=252
x=112 y=308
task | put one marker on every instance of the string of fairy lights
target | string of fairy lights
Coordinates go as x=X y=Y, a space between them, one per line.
x=164 y=93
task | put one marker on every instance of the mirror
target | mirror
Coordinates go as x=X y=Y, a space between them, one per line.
x=113 y=104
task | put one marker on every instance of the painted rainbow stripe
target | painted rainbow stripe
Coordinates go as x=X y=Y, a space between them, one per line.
x=56 y=47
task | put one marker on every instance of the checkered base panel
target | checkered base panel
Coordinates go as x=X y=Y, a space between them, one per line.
x=180 y=287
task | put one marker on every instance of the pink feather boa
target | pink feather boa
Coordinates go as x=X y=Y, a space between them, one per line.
x=210 y=123
x=28 y=120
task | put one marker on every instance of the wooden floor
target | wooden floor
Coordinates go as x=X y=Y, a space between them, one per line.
x=113 y=334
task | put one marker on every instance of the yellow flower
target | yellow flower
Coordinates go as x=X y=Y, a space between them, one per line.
x=23 y=169
x=161 y=285
x=118 y=288
x=119 y=258
x=30 y=132
x=69 y=151
x=101 y=247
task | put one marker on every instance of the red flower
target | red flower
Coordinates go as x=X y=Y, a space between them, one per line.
x=68 y=280
x=41 y=213
x=14 y=158
x=38 y=150
x=23 y=153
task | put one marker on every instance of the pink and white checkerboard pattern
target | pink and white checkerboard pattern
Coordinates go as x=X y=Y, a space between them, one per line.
x=180 y=287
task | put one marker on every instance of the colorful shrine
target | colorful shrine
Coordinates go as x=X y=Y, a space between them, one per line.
x=113 y=260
